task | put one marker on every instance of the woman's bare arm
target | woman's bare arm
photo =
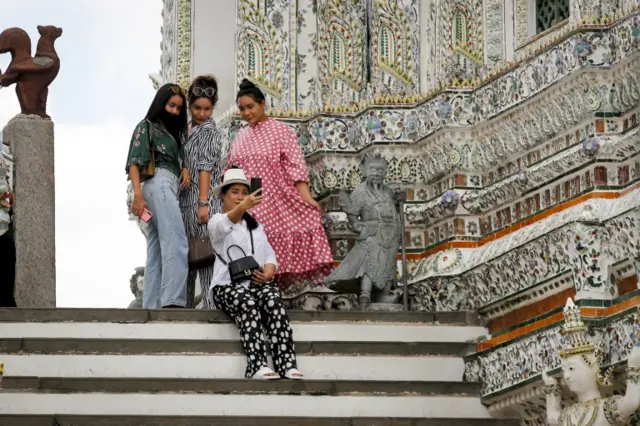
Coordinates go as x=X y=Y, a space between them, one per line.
x=205 y=182
x=305 y=193
x=134 y=175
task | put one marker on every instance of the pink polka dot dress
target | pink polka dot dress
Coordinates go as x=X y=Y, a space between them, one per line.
x=270 y=150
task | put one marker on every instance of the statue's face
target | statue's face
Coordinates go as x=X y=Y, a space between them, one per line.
x=578 y=375
x=376 y=172
x=140 y=283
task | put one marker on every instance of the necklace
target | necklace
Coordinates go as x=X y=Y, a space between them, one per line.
x=586 y=408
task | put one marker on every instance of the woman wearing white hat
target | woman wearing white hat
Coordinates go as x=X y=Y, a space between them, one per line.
x=242 y=284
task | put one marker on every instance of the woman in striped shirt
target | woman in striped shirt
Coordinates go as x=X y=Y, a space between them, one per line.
x=202 y=157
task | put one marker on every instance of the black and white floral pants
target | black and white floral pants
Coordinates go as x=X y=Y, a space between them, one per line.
x=258 y=311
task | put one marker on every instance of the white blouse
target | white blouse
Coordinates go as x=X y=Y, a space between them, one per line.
x=223 y=233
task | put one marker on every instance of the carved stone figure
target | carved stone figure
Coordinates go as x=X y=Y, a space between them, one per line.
x=373 y=215
x=157 y=80
x=31 y=75
x=581 y=363
x=137 y=287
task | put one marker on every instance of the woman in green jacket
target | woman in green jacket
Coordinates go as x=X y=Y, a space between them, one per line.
x=155 y=167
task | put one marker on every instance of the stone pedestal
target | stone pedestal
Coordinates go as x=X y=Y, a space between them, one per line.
x=386 y=307
x=30 y=139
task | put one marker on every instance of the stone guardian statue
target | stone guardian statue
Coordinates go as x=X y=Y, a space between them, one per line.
x=372 y=214
x=581 y=363
x=137 y=286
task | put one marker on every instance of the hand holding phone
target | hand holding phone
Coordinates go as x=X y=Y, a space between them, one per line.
x=256 y=183
x=146 y=215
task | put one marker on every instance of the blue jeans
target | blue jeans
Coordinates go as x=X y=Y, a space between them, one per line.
x=165 y=275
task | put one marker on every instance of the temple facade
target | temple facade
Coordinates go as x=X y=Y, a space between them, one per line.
x=511 y=125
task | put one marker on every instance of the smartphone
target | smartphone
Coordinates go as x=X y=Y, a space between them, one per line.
x=256 y=183
x=146 y=215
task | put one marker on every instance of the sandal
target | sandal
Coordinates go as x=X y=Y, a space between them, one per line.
x=265 y=373
x=294 y=374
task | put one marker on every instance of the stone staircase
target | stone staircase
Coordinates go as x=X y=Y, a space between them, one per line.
x=89 y=367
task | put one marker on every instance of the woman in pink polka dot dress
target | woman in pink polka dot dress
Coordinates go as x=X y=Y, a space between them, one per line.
x=291 y=217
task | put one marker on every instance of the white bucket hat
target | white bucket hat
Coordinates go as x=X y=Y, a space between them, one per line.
x=231 y=176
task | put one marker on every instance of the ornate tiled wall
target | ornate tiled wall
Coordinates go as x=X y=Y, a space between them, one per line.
x=176 y=44
x=510 y=364
x=311 y=53
x=536 y=255
x=482 y=156
x=531 y=139
x=519 y=155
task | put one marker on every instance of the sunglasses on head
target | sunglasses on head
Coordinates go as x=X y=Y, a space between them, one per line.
x=209 y=92
x=177 y=90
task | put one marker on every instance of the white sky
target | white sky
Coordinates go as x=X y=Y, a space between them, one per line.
x=107 y=50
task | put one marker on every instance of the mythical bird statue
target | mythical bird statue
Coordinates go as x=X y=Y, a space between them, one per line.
x=31 y=75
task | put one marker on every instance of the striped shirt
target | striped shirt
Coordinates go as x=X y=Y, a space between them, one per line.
x=202 y=151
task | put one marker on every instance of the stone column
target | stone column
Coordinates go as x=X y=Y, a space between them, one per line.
x=31 y=142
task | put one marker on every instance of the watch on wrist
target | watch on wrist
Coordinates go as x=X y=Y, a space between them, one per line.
x=203 y=204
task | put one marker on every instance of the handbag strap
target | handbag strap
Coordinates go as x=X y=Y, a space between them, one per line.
x=149 y=135
x=220 y=257
x=234 y=245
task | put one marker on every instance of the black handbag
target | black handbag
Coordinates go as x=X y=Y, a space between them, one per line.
x=242 y=268
x=201 y=253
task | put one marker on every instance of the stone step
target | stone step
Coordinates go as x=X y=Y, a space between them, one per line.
x=236 y=386
x=335 y=331
x=66 y=420
x=315 y=367
x=193 y=315
x=165 y=346
x=103 y=367
x=177 y=404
